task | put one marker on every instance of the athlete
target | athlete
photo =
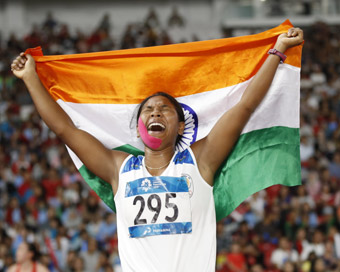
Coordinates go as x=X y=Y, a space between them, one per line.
x=26 y=257
x=164 y=199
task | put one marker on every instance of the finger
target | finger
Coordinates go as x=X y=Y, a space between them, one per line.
x=293 y=32
x=290 y=31
x=297 y=31
x=15 y=67
x=22 y=58
x=20 y=61
x=300 y=32
x=28 y=57
x=17 y=63
x=298 y=35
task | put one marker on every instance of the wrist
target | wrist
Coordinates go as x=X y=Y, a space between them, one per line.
x=280 y=47
x=29 y=76
x=279 y=54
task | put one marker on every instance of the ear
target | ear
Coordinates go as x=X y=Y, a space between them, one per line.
x=181 y=128
x=31 y=254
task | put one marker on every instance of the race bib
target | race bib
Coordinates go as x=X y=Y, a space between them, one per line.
x=158 y=206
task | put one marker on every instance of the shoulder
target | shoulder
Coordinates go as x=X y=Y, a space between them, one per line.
x=118 y=157
x=277 y=253
x=185 y=157
x=12 y=268
x=41 y=268
x=131 y=163
x=295 y=254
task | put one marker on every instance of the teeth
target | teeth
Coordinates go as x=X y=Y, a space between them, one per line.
x=156 y=124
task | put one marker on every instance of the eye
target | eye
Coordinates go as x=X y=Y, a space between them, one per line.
x=147 y=109
x=165 y=108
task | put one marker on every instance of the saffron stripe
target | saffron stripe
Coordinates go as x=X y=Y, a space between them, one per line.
x=128 y=76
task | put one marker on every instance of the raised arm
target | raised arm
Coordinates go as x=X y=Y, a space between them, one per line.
x=212 y=150
x=101 y=161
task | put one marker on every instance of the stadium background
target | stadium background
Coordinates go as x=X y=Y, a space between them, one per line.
x=43 y=198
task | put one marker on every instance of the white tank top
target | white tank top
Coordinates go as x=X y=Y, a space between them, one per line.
x=165 y=223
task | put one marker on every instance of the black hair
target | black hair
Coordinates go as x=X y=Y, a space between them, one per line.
x=172 y=100
x=32 y=248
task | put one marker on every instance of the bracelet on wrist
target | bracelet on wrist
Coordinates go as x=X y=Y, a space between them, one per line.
x=278 y=53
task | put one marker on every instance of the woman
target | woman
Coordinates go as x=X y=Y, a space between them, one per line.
x=164 y=200
x=26 y=257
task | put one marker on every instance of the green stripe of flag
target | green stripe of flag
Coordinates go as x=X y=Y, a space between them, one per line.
x=260 y=159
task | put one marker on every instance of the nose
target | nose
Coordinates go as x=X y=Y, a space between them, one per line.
x=156 y=112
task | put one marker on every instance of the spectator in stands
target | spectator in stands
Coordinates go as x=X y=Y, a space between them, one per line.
x=71 y=260
x=107 y=228
x=319 y=265
x=26 y=257
x=329 y=257
x=236 y=261
x=78 y=265
x=284 y=253
x=105 y=23
x=152 y=20
x=334 y=166
x=91 y=256
x=306 y=149
x=256 y=268
x=289 y=266
x=50 y=23
x=175 y=18
x=317 y=246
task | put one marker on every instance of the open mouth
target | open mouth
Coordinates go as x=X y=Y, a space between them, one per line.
x=156 y=127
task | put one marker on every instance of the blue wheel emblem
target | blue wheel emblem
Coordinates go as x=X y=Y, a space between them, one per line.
x=190 y=130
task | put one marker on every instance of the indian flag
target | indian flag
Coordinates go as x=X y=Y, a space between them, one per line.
x=100 y=92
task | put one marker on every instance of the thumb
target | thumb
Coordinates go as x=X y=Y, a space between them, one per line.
x=30 y=59
x=30 y=63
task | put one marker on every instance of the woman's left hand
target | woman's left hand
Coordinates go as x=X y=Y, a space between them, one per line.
x=293 y=37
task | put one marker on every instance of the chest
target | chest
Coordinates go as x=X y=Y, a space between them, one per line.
x=162 y=205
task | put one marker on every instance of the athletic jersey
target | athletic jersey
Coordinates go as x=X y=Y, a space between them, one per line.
x=165 y=223
x=34 y=268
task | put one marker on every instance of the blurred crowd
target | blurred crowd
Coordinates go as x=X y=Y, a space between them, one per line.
x=43 y=199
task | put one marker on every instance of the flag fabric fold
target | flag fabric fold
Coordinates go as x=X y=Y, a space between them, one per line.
x=100 y=91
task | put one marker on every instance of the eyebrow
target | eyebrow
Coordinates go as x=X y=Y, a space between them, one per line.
x=162 y=106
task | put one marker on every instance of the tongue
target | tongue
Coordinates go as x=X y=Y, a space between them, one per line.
x=149 y=140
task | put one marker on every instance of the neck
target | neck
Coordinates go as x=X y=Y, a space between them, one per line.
x=158 y=158
x=26 y=265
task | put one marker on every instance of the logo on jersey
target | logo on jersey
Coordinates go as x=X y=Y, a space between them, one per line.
x=190 y=130
x=190 y=184
x=146 y=185
x=146 y=231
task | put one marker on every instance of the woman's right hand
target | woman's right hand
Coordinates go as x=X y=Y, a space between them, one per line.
x=23 y=66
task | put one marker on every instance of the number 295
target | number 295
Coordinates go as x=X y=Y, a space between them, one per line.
x=155 y=206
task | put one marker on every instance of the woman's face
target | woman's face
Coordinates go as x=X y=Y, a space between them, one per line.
x=288 y=267
x=23 y=254
x=161 y=120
